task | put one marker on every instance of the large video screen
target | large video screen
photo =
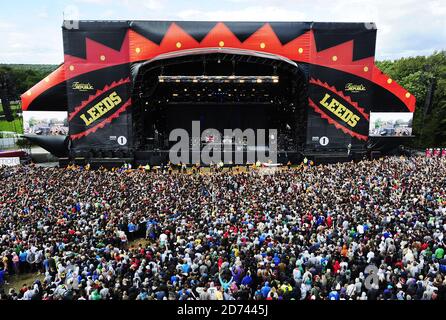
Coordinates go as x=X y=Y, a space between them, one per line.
x=391 y=124
x=45 y=123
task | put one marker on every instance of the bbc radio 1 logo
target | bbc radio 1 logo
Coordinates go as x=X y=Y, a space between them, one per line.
x=122 y=140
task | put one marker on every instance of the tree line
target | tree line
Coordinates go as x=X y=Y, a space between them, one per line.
x=22 y=77
x=423 y=76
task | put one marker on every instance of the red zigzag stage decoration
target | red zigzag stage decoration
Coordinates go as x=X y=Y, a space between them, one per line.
x=136 y=48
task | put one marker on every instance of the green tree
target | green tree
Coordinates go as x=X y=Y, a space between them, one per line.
x=416 y=74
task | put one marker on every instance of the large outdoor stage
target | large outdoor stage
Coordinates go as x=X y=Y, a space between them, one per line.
x=132 y=91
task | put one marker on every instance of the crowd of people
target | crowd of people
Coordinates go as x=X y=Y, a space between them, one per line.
x=372 y=230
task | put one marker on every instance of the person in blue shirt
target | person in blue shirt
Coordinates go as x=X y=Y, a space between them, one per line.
x=143 y=295
x=23 y=255
x=2 y=277
x=333 y=295
x=276 y=259
x=442 y=265
x=265 y=290
x=386 y=234
x=237 y=274
x=183 y=294
x=131 y=227
x=186 y=268
x=262 y=238
x=225 y=284
x=247 y=280
x=159 y=295
x=46 y=265
x=388 y=292
x=174 y=279
x=150 y=229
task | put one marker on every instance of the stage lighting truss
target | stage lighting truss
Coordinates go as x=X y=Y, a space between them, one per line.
x=219 y=79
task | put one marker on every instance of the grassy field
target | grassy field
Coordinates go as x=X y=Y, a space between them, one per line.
x=17 y=282
x=14 y=108
x=15 y=126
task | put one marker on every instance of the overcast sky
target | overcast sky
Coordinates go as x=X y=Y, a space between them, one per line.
x=30 y=31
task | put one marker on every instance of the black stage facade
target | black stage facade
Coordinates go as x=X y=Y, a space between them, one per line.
x=126 y=86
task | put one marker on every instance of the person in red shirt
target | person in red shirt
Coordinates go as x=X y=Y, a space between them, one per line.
x=336 y=267
x=329 y=221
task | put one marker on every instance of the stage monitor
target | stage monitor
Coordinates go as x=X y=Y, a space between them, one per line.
x=391 y=124
x=45 y=123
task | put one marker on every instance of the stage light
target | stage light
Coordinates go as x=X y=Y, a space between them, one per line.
x=219 y=79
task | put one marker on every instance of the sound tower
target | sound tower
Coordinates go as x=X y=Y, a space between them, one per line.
x=5 y=99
